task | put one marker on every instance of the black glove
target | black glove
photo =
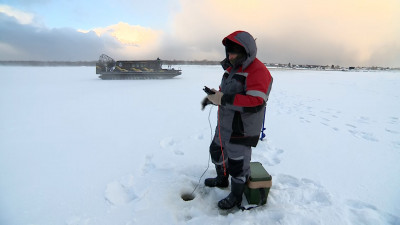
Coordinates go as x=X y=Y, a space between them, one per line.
x=205 y=102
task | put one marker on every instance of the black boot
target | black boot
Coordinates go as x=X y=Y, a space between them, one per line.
x=234 y=198
x=220 y=181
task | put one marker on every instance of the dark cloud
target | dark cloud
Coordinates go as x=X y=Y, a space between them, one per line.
x=305 y=49
x=28 y=42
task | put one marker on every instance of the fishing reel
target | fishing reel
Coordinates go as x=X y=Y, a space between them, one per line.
x=205 y=101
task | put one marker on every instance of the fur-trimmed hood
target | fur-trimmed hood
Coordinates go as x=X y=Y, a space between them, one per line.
x=247 y=41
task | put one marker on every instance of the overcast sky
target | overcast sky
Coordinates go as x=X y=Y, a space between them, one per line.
x=325 y=32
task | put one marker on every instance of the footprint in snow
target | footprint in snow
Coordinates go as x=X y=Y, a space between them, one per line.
x=351 y=125
x=268 y=156
x=170 y=143
x=363 y=119
x=391 y=131
x=120 y=192
x=393 y=120
x=363 y=213
x=148 y=165
x=328 y=125
x=198 y=137
x=294 y=191
x=364 y=135
x=325 y=124
x=360 y=134
x=178 y=152
x=167 y=142
x=304 y=120
x=325 y=119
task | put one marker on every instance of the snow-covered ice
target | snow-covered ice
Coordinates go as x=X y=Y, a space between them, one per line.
x=78 y=150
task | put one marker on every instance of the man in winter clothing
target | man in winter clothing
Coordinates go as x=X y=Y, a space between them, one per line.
x=241 y=98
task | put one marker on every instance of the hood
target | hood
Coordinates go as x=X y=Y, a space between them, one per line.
x=244 y=39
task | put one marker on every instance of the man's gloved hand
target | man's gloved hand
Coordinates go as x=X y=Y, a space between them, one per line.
x=215 y=98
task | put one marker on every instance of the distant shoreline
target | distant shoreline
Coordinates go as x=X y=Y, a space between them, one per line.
x=93 y=63
x=47 y=63
x=186 y=62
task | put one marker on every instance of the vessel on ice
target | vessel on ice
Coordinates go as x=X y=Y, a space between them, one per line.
x=128 y=70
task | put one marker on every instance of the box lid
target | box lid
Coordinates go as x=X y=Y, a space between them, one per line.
x=258 y=173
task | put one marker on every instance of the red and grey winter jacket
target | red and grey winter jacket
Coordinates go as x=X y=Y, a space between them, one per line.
x=246 y=89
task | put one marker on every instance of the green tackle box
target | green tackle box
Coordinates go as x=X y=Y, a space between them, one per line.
x=258 y=185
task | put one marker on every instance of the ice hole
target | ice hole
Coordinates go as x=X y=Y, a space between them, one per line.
x=187 y=196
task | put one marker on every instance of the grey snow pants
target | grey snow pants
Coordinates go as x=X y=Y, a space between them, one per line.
x=236 y=157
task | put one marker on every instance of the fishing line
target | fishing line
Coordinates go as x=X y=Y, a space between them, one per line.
x=209 y=154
